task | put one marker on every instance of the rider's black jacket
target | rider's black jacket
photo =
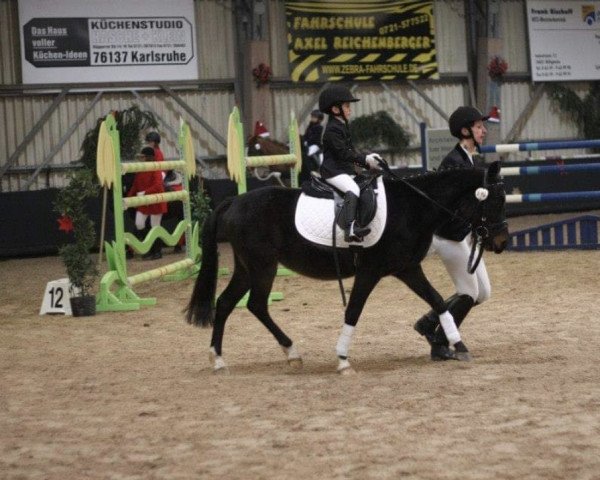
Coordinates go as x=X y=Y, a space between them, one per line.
x=455 y=229
x=339 y=155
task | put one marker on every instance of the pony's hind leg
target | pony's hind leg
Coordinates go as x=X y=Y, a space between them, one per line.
x=233 y=293
x=261 y=284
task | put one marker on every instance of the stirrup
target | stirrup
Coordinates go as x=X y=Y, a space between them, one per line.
x=355 y=235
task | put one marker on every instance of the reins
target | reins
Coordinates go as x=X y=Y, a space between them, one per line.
x=479 y=234
x=386 y=168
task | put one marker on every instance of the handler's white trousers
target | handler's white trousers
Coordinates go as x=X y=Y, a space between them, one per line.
x=345 y=183
x=455 y=256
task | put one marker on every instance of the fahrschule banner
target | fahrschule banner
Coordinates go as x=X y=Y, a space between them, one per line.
x=361 y=40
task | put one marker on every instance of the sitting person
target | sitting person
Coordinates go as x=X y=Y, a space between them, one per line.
x=339 y=156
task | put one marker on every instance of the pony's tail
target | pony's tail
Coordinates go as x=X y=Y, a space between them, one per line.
x=200 y=309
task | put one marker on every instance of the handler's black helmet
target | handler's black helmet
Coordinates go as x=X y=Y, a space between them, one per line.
x=334 y=96
x=464 y=117
x=153 y=137
x=317 y=114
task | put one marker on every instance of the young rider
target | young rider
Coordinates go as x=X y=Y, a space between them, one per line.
x=453 y=242
x=339 y=156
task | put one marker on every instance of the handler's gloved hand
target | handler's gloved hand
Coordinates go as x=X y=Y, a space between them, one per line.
x=373 y=160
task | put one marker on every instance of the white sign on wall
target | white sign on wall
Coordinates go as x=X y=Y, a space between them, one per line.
x=564 y=40
x=439 y=142
x=70 y=41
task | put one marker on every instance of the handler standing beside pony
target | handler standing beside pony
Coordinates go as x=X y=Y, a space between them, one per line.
x=339 y=156
x=453 y=242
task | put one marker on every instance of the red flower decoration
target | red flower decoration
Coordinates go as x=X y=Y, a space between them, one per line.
x=262 y=74
x=65 y=224
x=497 y=68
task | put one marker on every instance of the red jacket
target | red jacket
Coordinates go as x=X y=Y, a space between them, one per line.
x=148 y=182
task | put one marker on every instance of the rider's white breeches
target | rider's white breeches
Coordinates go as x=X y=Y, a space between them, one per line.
x=455 y=256
x=345 y=183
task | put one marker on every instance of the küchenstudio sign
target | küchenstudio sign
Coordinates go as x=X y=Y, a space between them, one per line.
x=68 y=41
x=359 y=40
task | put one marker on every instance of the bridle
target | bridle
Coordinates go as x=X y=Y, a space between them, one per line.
x=482 y=232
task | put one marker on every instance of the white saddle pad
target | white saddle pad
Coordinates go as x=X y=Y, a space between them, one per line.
x=315 y=216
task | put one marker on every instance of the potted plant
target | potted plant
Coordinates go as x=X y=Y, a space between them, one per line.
x=378 y=131
x=81 y=269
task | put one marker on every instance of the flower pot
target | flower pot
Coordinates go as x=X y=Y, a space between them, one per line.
x=83 y=306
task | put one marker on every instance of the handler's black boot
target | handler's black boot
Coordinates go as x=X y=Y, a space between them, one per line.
x=459 y=306
x=353 y=232
x=155 y=251
x=427 y=325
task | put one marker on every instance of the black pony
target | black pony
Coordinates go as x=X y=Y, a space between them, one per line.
x=260 y=227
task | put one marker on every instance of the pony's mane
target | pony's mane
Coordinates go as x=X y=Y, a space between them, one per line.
x=423 y=179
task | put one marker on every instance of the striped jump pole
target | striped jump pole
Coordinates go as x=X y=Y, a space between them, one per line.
x=552 y=197
x=526 y=147
x=110 y=170
x=550 y=169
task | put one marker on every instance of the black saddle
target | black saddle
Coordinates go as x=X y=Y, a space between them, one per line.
x=367 y=204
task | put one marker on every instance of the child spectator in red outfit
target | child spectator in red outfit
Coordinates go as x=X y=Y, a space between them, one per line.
x=146 y=183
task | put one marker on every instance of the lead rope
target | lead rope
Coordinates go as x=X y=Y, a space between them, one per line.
x=336 y=259
x=386 y=168
x=477 y=242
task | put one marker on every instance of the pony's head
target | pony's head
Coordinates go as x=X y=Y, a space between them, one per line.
x=489 y=219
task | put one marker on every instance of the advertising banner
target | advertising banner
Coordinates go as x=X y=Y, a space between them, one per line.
x=564 y=40
x=69 y=41
x=361 y=40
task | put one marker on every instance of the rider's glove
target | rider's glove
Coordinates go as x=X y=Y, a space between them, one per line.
x=373 y=160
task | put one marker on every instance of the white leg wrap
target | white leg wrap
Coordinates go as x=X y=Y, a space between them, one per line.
x=218 y=362
x=343 y=344
x=343 y=365
x=447 y=322
x=291 y=352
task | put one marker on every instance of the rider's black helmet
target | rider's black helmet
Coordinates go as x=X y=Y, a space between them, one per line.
x=317 y=114
x=464 y=117
x=334 y=96
x=153 y=137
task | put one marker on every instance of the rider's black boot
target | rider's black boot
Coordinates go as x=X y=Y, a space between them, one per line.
x=353 y=232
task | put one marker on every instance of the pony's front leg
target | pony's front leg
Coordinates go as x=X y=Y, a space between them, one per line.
x=416 y=280
x=363 y=286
